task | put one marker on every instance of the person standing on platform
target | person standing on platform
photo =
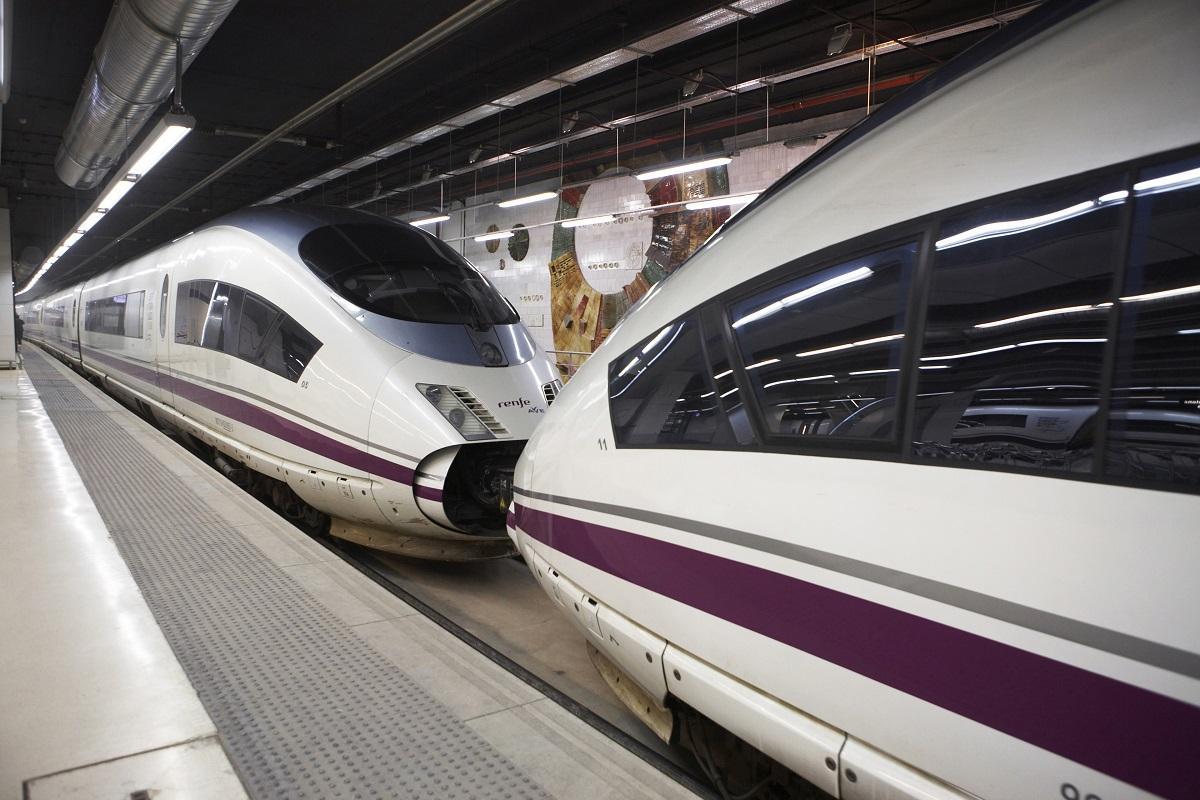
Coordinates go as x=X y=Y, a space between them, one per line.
x=18 y=329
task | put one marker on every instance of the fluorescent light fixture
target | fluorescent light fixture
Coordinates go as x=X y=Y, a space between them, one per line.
x=90 y=221
x=762 y=364
x=629 y=366
x=1050 y=312
x=429 y=220
x=1112 y=197
x=491 y=237
x=113 y=194
x=1167 y=183
x=798 y=380
x=663 y=172
x=799 y=297
x=724 y=374
x=168 y=132
x=731 y=391
x=1142 y=298
x=717 y=202
x=1008 y=227
x=873 y=371
x=1187 y=331
x=533 y=198
x=579 y=223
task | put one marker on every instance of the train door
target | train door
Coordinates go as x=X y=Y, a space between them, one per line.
x=162 y=353
x=73 y=327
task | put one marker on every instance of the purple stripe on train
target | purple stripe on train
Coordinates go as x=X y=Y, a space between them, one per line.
x=427 y=492
x=1135 y=735
x=265 y=421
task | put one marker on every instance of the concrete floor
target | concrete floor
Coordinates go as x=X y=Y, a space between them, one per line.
x=91 y=696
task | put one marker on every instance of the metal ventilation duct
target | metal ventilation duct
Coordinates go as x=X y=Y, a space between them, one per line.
x=132 y=72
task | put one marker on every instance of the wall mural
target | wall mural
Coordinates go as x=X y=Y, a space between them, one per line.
x=598 y=271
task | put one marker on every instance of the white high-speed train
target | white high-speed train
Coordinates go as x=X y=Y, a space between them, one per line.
x=336 y=362
x=897 y=478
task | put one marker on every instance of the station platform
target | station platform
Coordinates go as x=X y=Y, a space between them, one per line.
x=165 y=633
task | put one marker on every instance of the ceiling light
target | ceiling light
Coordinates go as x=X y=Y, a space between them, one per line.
x=577 y=223
x=692 y=83
x=113 y=194
x=474 y=155
x=663 y=172
x=491 y=237
x=570 y=121
x=532 y=198
x=426 y=173
x=169 y=131
x=839 y=39
x=717 y=202
x=429 y=220
x=90 y=221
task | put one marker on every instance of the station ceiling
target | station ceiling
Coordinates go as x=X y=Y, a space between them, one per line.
x=271 y=59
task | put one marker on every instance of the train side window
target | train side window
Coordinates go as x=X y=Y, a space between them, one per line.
x=1016 y=329
x=119 y=315
x=712 y=321
x=212 y=336
x=661 y=392
x=256 y=320
x=288 y=349
x=191 y=310
x=822 y=350
x=1154 y=414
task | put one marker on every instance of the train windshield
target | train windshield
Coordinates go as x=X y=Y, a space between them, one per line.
x=403 y=273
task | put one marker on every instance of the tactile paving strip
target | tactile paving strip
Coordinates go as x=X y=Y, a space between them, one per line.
x=304 y=707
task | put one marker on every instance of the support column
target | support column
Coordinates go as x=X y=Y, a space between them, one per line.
x=8 y=340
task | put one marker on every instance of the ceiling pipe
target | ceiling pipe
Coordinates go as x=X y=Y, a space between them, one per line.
x=415 y=48
x=250 y=133
x=132 y=72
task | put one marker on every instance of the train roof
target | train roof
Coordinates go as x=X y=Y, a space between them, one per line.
x=285 y=226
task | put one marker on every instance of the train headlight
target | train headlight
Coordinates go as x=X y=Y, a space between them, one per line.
x=456 y=406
